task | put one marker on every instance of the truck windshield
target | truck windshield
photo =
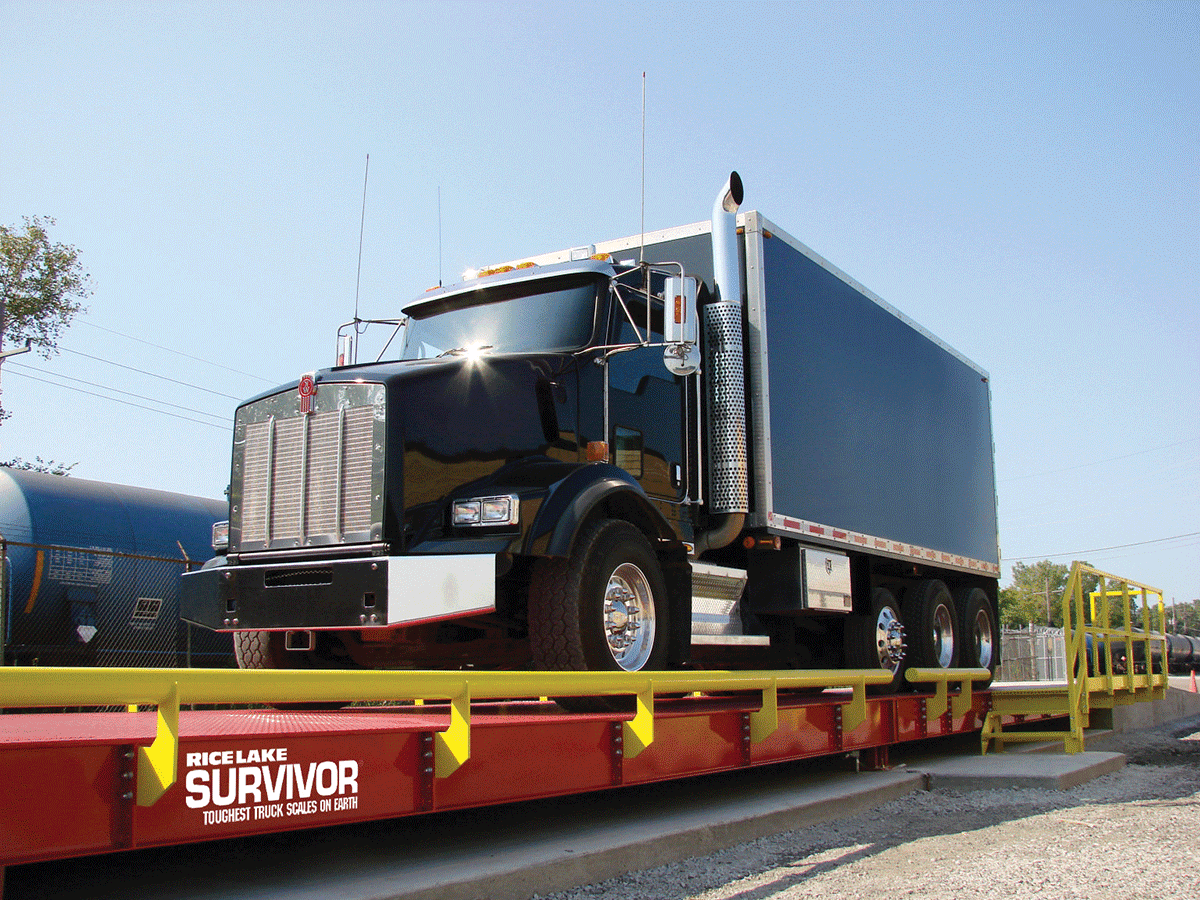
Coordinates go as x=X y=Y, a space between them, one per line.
x=551 y=315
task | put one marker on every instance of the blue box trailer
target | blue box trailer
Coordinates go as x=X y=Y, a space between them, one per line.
x=865 y=430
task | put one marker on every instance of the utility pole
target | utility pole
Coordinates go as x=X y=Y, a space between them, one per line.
x=5 y=354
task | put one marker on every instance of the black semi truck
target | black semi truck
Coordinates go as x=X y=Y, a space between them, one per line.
x=699 y=447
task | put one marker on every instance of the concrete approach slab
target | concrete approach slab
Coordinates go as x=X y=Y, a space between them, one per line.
x=501 y=853
x=1050 y=771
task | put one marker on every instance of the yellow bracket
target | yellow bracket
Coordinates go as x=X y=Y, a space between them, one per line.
x=157 y=764
x=992 y=731
x=765 y=722
x=962 y=702
x=452 y=747
x=854 y=713
x=638 y=734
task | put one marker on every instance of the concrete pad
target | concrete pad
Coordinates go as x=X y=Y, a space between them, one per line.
x=502 y=853
x=1049 y=771
x=1179 y=703
x=587 y=851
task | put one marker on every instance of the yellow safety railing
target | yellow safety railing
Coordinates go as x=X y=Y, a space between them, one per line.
x=168 y=689
x=937 y=705
x=1092 y=681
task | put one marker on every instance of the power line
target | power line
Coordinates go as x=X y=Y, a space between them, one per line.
x=1099 y=461
x=1176 y=537
x=152 y=375
x=207 y=362
x=124 y=402
x=114 y=390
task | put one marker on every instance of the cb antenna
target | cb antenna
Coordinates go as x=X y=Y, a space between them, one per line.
x=439 y=235
x=642 y=254
x=361 y=226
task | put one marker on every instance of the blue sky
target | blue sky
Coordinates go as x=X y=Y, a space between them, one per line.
x=1021 y=179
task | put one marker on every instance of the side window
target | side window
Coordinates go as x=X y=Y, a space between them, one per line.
x=628 y=368
x=645 y=404
x=628 y=449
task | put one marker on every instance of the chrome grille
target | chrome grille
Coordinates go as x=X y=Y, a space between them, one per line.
x=309 y=479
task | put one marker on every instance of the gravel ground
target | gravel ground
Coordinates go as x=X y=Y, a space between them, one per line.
x=1132 y=834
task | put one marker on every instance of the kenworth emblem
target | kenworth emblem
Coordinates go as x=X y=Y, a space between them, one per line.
x=308 y=390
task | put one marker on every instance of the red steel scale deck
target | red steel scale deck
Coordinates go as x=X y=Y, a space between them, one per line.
x=70 y=779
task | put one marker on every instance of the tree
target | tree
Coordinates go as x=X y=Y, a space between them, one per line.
x=1184 y=617
x=49 y=466
x=41 y=286
x=1035 y=596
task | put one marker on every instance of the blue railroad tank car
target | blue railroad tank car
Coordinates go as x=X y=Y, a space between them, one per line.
x=91 y=573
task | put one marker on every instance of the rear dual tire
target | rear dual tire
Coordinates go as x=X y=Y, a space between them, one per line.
x=876 y=640
x=931 y=622
x=980 y=638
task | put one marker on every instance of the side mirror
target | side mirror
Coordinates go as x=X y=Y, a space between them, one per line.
x=682 y=353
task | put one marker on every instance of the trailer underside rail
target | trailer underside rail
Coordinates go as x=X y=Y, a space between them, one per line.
x=85 y=783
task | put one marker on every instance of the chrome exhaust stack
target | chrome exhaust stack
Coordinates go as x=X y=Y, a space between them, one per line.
x=728 y=469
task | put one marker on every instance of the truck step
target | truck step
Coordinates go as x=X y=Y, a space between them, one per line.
x=716 y=607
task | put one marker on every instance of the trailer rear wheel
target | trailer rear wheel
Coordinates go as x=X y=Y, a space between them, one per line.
x=603 y=609
x=931 y=625
x=979 y=633
x=876 y=640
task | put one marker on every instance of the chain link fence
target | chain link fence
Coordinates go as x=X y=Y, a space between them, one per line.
x=78 y=606
x=1036 y=653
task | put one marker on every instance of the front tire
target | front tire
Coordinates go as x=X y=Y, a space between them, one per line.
x=255 y=650
x=605 y=608
x=265 y=650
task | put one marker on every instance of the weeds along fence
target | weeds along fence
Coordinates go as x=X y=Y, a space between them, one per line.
x=1035 y=653
x=80 y=606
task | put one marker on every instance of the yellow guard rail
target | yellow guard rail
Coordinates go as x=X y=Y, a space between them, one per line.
x=168 y=689
x=1092 y=682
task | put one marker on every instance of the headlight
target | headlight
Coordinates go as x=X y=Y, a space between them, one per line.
x=486 y=511
x=220 y=536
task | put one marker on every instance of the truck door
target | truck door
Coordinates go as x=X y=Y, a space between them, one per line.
x=647 y=410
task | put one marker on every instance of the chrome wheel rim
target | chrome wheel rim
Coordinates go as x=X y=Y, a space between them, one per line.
x=983 y=639
x=943 y=636
x=889 y=639
x=629 y=620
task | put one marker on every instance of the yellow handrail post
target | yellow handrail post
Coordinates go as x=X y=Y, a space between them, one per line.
x=452 y=747
x=765 y=721
x=936 y=707
x=158 y=764
x=1077 y=653
x=638 y=734
x=854 y=713
x=963 y=703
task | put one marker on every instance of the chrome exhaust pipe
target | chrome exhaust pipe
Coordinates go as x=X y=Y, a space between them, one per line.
x=728 y=469
x=726 y=269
